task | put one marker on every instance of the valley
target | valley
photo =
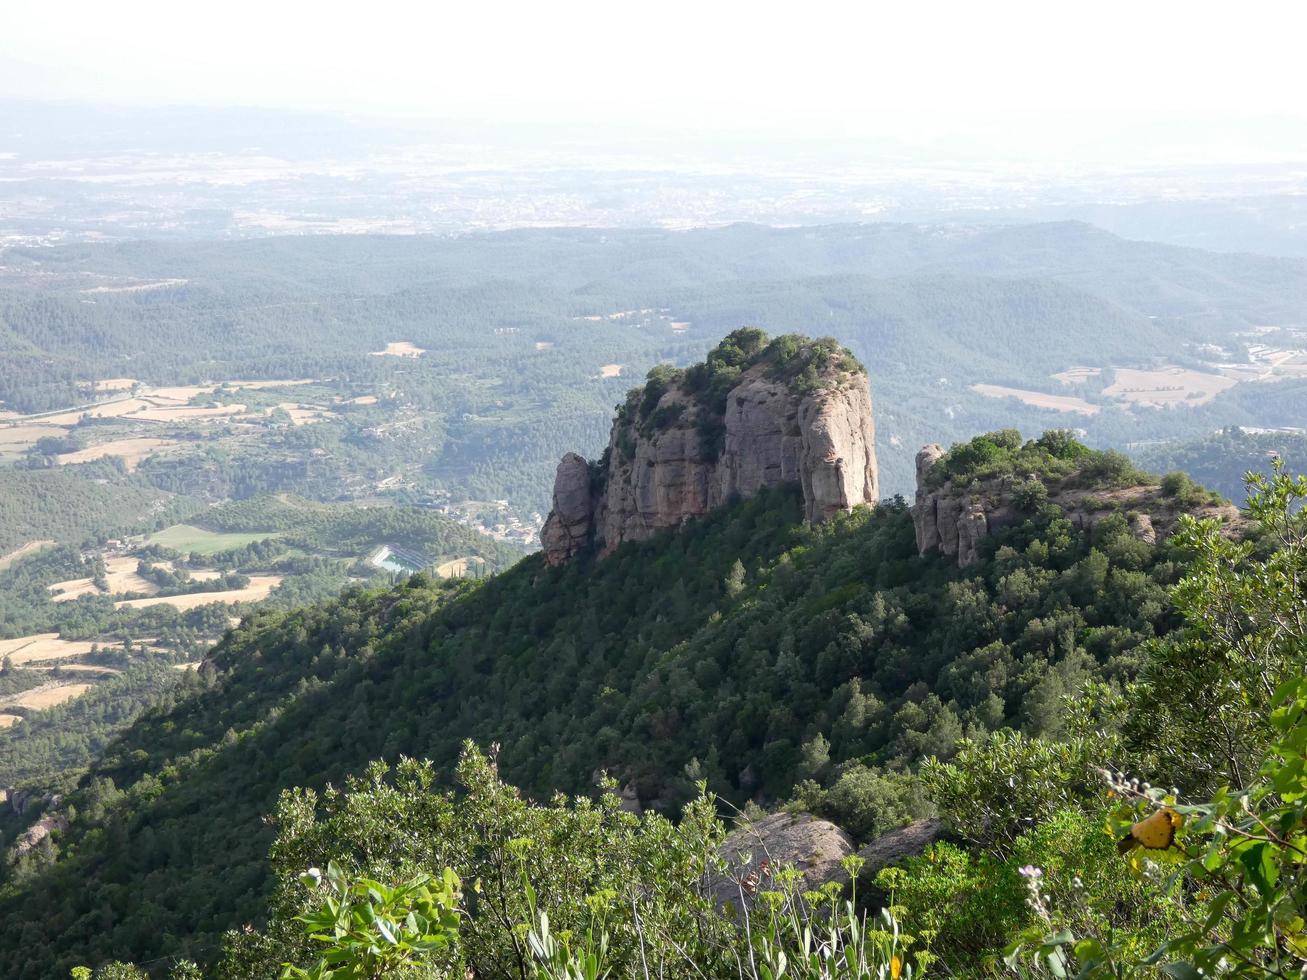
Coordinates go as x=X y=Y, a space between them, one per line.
x=296 y=537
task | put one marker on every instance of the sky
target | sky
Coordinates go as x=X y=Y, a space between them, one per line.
x=1209 y=80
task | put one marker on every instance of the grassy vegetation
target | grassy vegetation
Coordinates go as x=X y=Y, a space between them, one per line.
x=189 y=539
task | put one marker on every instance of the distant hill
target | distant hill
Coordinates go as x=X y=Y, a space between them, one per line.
x=1221 y=460
x=531 y=336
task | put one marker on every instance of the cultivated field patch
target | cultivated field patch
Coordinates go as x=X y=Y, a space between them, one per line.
x=461 y=567
x=107 y=410
x=1039 y=399
x=116 y=384
x=259 y=588
x=42 y=646
x=610 y=371
x=399 y=348
x=28 y=549
x=189 y=539
x=120 y=573
x=48 y=695
x=1166 y=387
x=1075 y=375
x=184 y=414
x=20 y=438
x=132 y=451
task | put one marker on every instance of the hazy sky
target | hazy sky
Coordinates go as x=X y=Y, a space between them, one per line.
x=1216 y=75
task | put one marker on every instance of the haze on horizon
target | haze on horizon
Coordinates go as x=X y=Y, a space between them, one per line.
x=1131 y=85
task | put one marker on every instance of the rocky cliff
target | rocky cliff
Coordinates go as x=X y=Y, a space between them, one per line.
x=756 y=413
x=953 y=515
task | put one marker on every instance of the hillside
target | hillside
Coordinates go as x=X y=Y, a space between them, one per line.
x=1222 y=459
x=721 y=651
x=520 y=343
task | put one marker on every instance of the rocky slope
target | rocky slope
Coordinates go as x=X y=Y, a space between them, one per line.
x=792 y=411
x=952 y=517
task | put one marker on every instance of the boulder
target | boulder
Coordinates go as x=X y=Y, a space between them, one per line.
x=754 y=853
x=899 y=844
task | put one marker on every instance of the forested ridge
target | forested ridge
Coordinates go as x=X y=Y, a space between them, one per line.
x=770 y=658
x=517 y=326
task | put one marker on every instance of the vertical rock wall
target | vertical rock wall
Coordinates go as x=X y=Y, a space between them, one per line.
x=823 y=439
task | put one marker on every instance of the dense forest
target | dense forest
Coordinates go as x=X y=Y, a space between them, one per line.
x=58 y=505
x=1222 y=460
x=518 y=326
x=772 y=659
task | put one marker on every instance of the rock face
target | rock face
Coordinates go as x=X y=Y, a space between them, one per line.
x=31 y=838
x=899 y=844
x=677 y=458
x=754 y=854
x=569 y=528
x=812 y=846
x=953 y=520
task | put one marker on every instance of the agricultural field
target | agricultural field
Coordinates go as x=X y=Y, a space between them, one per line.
x=1166 y=387
x=48 y=695
x=31 y=548
x=24 y=650
x=1039 y=399
x=399 y=348
x=120 y=577
x=260 y=588
x=131 y=451
x=188 y=539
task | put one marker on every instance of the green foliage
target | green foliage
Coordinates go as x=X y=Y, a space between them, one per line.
x=1204 y=701
x=1055 y=455
x=544 y=875
x=72 y=507
x=1232 y=880
x=371 y=930
x=636 y=665
x=1221 y=460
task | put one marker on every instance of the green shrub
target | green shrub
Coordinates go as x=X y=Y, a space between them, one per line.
x=1030 y=495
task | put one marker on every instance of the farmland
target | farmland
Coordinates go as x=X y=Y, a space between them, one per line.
x=1166 y=387
x=1039 y=399
x=260 y=588
x=188 y=539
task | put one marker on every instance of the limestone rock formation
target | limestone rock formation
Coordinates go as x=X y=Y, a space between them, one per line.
x=753 y=854
x=953 y=519
x=812 y=846
x=895 y=846
x=570 y=524
x=676 y=453
x=31 y=838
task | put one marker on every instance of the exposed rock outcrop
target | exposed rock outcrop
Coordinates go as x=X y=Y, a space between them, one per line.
x=814 y=847
x=753 y=854
x=897 y=845
x=953 y=518
x=31 y=838
x=676 y=452
x=570 y=523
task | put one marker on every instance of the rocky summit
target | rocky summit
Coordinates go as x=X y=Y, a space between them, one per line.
x=755 y=414
x=967 y=494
